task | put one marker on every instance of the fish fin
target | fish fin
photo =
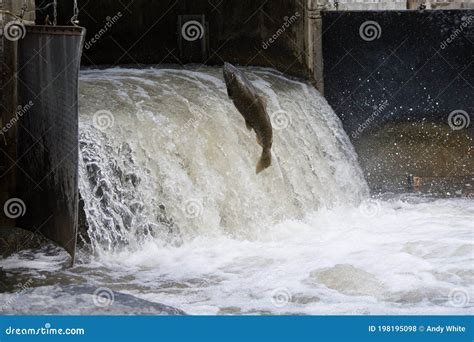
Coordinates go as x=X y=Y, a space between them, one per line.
x=265 y=160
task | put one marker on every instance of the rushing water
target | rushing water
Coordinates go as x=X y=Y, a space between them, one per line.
x=178 y=216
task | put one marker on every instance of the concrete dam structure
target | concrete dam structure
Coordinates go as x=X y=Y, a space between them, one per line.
x=126 y=169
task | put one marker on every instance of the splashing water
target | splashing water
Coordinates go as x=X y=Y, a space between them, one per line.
x=176 y=140
x=178 y=216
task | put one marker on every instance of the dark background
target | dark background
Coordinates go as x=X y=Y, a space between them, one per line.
x=406 y=66
x=148 y=31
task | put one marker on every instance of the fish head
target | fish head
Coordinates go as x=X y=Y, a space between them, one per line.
x=230 y=74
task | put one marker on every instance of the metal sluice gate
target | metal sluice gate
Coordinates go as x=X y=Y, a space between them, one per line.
x=47 y=138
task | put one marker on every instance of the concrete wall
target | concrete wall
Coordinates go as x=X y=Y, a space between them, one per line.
x=412 y=66
x=22 y=8
x=243 y=32
x=404 y=93
x=253 y=32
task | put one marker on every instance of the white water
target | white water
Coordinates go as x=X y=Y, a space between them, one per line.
x=302 y=237
x=177 y=133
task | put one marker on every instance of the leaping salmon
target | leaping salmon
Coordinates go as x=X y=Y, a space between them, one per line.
x=252 y=108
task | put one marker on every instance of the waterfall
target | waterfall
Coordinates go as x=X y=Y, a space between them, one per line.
x=177 y=215
x=165 y=156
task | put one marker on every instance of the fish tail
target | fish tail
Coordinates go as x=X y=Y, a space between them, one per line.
x=265 y=160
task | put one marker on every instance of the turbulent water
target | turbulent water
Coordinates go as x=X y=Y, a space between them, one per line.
x=173 y=138
x=178 y=216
